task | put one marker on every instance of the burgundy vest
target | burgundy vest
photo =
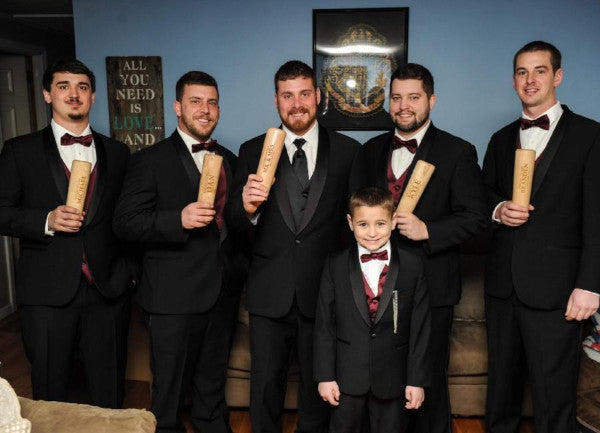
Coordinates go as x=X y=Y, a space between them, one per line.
x=395 y=186
x=373 y=300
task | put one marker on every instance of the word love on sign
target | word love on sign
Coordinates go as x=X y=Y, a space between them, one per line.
x=135 y=100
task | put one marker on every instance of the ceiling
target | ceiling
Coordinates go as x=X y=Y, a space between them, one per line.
x=52 y=15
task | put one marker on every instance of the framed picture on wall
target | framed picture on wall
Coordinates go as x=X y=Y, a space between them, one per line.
x=355 y=52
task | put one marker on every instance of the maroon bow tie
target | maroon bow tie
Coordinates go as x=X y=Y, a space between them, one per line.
x=381 y=255
x=541 y=122
x=85 y=140
x=411 y=145
x=207 y=145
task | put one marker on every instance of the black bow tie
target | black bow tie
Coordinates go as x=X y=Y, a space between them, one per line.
x=541 y=122
x=207 y=145
x=411 y=145
x=85 y=140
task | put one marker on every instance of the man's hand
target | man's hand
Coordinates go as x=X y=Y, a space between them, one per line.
x=511 y=214
x=197 y=215
x=411 y=226
x=581 y=305
x=254 y=194
x=330 y=392
x=65 y=219
x=414 y=397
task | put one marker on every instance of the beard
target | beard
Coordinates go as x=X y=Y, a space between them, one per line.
x=414 y=126
x=195 y=131
x=298 y=126
x=76 y=116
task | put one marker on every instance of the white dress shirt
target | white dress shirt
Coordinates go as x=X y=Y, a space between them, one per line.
x=310 y=147
x=402 y=158
x=372 y=269
x=535 y=138
x=68 y=154
x=198 y=156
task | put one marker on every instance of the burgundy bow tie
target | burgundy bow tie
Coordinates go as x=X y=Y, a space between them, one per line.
x=207 y=145
x=411 y=145
x=85 y=140
x=541 y=122
x=381 y=255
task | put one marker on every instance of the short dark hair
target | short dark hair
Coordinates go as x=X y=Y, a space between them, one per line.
x=371 y=197
x=555 y=56
x=194 y=77
x=294 y=69
x=72 y=66
x=413 y=71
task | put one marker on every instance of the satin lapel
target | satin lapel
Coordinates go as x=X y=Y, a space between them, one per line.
x=382 y=161
x=358 y=286
x=509 y=159
x=422 y=150
x=188 y=163
x=279 y=189
x=388 y=286
x=318 y=179
x=55 y=163
x=101 y=169
x=550 y=150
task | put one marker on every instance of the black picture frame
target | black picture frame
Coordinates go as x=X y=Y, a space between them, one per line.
x=355 y=52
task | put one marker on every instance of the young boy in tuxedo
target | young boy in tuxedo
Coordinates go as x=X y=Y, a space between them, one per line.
x=372 y=324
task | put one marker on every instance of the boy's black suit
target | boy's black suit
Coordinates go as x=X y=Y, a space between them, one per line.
x=363 y=356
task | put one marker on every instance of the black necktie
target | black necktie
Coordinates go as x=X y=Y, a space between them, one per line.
x=541 y=122
x=299 y=163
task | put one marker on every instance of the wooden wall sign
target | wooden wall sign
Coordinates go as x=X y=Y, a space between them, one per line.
x=135 y=100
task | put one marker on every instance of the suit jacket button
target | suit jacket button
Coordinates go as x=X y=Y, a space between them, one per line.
x=297 y=241
x=373 y=335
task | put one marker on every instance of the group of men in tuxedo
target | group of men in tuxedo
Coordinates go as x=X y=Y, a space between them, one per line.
x=75 y=275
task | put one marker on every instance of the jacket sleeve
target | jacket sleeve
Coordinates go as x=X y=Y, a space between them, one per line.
x=136 y=215
x=16 y=220
x=325 y=330
x=468 y=211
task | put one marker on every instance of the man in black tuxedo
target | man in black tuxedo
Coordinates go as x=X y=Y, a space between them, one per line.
x=191 y=277
x=295 y=227
x=542 y=277
x=72 y=280
x=451 y=210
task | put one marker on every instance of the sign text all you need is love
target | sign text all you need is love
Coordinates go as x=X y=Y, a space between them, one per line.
x=135 y=100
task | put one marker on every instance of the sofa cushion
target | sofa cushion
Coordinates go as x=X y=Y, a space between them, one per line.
x=471 y=302
x=468 y=349
x=53 y=417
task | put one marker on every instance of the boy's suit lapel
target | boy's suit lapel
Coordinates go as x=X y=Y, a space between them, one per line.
x=388 y=286
x=356 y=281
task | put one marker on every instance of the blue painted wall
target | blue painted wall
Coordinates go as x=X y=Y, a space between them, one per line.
x=467 y=44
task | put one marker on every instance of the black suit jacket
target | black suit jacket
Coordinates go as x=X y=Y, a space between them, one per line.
x=362 y=356
x=33 y=183
x=183 y=270
x=286 y=262
x=558 y=248
x=453 y=205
